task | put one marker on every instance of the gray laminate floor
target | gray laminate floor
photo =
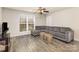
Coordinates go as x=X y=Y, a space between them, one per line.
x=29 y=43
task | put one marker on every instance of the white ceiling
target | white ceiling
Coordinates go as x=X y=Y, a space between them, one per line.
x=33 y=9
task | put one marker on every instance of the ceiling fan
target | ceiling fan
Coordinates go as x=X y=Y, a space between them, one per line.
x=42 y=10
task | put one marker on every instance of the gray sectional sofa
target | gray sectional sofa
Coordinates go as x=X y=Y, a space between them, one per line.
x=62 y=33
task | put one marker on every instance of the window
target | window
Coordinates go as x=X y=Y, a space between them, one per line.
x=23 y=24
x=30 y=24
x=27 y=23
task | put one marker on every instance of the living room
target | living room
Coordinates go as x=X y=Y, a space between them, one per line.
x=23 y=20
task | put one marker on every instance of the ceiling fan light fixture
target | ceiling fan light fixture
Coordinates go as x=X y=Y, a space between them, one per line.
x=42 y=10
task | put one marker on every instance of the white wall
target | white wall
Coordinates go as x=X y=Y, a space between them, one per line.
x=0 y=20
x=13 y=17
x=0 y=14
x=65 y=18
x=40 y=20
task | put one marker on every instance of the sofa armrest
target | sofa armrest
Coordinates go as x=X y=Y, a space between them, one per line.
x=35 y=32
x=69 y=35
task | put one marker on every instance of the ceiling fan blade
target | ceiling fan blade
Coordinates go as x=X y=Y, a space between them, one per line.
x=45 y=11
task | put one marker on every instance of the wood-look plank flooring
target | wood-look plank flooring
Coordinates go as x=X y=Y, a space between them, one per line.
x=30 y=43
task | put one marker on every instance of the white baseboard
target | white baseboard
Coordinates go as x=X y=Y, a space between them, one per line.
x=76 y=39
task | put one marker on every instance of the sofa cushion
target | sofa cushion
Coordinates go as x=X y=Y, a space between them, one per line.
x=40 y=27
x=59 y=34
x=51 y=32
x=51 y=28
x=62 y=30
x=56 y=29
